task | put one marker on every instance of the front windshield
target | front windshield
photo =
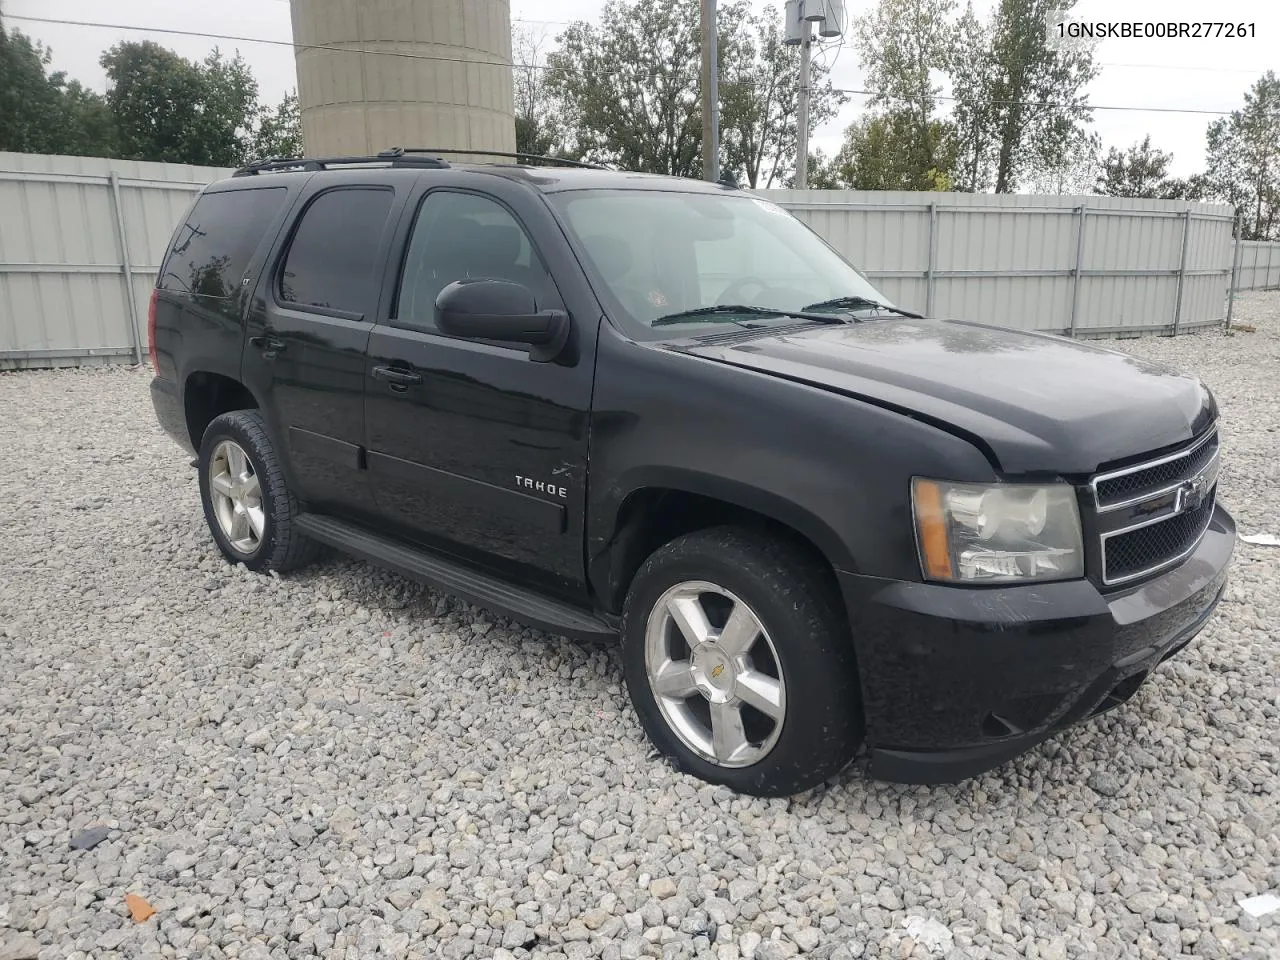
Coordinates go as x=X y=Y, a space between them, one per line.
x=659 y=254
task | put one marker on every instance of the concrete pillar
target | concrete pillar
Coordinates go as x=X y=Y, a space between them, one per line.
x=439 y=74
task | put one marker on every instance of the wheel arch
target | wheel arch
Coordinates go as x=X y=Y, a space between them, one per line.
x=207 y=395
x=652 y=514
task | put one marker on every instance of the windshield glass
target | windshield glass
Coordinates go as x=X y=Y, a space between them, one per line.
x=655 y=255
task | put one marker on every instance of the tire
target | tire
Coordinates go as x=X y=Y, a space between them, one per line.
x=260 y=532
x=794 y=687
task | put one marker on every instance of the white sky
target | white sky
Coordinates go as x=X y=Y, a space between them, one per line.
x=1190 y=74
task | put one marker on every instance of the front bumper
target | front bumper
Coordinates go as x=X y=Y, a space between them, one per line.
x=958 y=680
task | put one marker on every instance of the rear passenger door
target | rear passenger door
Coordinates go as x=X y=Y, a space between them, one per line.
x=307 y=336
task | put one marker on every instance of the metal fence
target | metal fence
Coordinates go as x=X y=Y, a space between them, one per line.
x=1081 y=266
x=81 y=240
x=1258 y=265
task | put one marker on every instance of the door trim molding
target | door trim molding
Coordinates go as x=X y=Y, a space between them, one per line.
x=511 y=503
x=324 y=447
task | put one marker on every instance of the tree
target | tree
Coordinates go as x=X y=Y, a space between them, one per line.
x=1140 y=171
x=823 y=174
x=537 y=131
x=42 y=112
x=627 y=88
x=758 y=83
x=170 y=109
x=1243 y=156
x=1026 y=76
x=1072 y=171
x=904 y=44
x=881 y=152
x=278 y=131
x=972 y=71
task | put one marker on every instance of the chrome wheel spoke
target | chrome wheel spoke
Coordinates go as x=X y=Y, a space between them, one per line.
x=675 y=680
x=222 y=484
x=252 y=490
x=702 y=694
x=727 y=735
x=740 y=631
x=237 y=462
x=257 y=520
x=761 y=691
x=239 y=525
x=690 y=618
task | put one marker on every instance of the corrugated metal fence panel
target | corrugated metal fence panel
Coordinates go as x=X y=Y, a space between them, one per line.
x=1005 y=259
x=63 y=297
x=1012 y=260
x=1259 y=265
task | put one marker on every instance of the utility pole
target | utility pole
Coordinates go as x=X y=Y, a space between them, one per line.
x=802 y=110
x=710 y=93
x=801 y=15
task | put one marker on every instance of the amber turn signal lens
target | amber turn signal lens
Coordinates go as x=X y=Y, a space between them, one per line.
x=931 y=529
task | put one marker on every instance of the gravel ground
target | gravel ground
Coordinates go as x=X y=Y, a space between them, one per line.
x=344 y=764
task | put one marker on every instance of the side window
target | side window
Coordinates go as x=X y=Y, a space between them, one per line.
x=459 y=235
x=214 y=245
x=333 y=259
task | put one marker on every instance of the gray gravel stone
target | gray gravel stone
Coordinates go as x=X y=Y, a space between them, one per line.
x=339 y=763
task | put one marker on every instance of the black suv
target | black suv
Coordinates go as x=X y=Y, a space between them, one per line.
x=606 y=403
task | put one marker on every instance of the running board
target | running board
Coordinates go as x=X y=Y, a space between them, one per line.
x=484 y=589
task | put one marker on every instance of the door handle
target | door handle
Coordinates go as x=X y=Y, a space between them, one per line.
x=268 y=344
x=397 y=376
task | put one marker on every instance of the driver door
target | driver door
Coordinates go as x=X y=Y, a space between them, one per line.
x=473 y=448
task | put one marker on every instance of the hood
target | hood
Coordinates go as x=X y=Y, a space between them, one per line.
x=1034 y=402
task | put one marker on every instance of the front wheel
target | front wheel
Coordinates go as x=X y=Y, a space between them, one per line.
x=740 y=663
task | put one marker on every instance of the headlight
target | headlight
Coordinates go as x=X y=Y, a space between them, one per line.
x=997 y=533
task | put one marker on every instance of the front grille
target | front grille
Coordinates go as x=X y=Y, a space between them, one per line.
x=1127 y=555
x=1152 y=515
x=1119 y=487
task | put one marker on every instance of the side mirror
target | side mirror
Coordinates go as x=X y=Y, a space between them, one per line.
x=501 y=310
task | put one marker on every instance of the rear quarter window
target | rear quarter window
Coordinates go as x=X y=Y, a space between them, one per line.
x=212 y=248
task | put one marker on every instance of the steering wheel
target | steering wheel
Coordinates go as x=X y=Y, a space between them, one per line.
x=735 y=292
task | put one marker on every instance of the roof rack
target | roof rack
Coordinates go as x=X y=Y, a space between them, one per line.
x=561 y=161
x=394 y=158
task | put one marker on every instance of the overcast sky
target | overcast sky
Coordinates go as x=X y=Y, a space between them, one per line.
x=1188 y=74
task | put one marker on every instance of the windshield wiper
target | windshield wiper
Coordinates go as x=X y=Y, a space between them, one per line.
x=741 y=310
x=862 y=302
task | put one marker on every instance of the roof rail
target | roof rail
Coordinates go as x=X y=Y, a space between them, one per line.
x=394 y=158
x=562 y=161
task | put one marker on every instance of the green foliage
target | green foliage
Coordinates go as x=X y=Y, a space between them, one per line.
x=43 y=112
x=758 y=74
x=888 y=151
x=1025 y=73
x=971 y=66
x=1243 y=155
x=905 y=45
x=1140 y=171
x=171 y=109
x=278 y=131
x=537 y=129
x=627 y=91
x=627 y=87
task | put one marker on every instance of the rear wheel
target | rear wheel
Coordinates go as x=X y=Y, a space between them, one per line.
x=740 y=663
x=250 y=511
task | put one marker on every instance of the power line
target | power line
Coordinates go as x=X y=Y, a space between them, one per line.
x=533 y=66
x=1064 y=106
x=554 y=23
x=273 y=43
